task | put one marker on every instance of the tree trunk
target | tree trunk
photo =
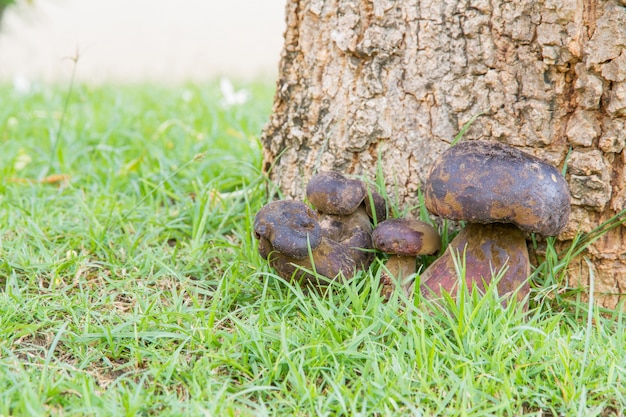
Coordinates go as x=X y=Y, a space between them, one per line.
x=367 y=82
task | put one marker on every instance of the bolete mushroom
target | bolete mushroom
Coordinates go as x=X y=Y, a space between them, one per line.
x=291 y=239
x=404 y=240
x=290 y=227
x=501 y=192
x=332 y=193
x=346 y=207
x=354 y=231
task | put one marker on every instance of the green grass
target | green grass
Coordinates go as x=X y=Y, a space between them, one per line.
x=134 y=287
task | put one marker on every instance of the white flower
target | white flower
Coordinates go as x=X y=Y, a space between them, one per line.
x=232 y=97
x=21 y=160
x=187 y=96
x=21 y=84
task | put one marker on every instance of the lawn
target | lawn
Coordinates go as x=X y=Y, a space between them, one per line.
x=130 y=285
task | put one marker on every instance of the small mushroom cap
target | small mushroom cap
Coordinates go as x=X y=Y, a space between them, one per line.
x=290 y=227
x=489 y=182
x=375 y=205
x=332 y=193
x=406 y=237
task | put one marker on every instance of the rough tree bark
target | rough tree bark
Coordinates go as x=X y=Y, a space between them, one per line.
x=363 y=78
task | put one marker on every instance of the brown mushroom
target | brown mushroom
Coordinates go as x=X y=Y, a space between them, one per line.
x=404 y=240
x=290 y=227
x=291 y=239
x=329 y=261
x=336 y=240
x=501 y=192
x=354 y=231
x=346 y=207
x=332 y=193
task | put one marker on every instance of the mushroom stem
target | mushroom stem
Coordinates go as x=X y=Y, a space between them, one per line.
x=486 y=251
x=403 y=240
x=330 y=259
x=398 y=270
x=401 y=267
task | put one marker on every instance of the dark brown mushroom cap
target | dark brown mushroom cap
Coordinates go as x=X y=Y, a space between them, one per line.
x=489 y=182
x=406 y=237
x=289 y=227
x=332 y=193
x=354 y=231
x=376 y=205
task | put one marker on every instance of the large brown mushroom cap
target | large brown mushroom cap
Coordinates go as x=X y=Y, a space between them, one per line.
x=290 y=227
x=487 y=182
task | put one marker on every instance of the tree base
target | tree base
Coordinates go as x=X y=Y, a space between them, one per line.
x=601 y=267
x=382 y=89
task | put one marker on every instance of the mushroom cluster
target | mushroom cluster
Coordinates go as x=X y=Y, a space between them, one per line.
x=332 y=241
x=500 y=193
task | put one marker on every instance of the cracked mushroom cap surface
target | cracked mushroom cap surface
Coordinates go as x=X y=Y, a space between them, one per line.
x=289 y=227
x=354 y=231
x=332 y=193
x=489 y=182
x=406 y=237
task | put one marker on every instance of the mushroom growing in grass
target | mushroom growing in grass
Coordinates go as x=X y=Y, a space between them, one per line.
x=291 y=239
x=501 y=192
x=334 y=241
x=347 y=207
x=404 y=240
